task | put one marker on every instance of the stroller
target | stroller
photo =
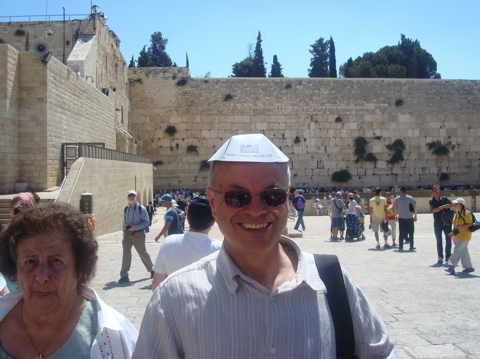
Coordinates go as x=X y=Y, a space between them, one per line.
x=355 y=227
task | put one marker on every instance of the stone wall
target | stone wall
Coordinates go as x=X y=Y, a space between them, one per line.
x=101 y=64
x=109 y=183
x=47 y=105
x=314 y=121
x=8 y=116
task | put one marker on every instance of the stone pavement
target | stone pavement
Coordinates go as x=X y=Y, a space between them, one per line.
x=429 y=313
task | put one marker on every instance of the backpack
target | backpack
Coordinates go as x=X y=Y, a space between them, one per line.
x=300 y=204
x=147 y=228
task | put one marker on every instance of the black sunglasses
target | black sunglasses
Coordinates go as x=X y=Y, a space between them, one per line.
x=131 y=195
x=238 y=198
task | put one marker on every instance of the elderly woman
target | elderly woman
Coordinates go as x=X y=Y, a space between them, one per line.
x=51 y=252
x=461 y=221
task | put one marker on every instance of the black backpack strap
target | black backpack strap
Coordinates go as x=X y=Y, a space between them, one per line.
x=331 y=274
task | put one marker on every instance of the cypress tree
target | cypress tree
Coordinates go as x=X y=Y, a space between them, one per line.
x=332 y=66
x=276 y=68
x=258 y=69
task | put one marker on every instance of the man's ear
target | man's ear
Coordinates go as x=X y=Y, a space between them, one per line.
x=211 y=198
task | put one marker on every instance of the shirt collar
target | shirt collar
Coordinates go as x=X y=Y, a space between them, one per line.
x=306 y=270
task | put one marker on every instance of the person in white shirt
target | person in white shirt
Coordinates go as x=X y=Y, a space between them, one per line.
x=179 y=250
x=259 y=296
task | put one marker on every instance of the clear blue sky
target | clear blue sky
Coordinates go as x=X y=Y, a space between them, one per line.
x=216 y=34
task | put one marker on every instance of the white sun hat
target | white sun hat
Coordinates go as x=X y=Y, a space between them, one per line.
x=249 y=148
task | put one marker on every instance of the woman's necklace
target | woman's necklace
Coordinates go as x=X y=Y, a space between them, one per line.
x=39 y=354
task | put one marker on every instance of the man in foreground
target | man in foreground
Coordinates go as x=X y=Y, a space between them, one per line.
x=179 y=250
x=260 y=295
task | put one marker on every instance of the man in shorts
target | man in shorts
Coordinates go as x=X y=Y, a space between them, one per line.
x=378 y=214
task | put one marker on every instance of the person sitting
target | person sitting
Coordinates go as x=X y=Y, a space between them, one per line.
x=51 y=252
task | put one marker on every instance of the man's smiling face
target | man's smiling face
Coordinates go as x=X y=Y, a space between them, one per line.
x=256 y=226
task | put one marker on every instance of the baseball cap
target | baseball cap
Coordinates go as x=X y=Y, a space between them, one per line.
x=166 y=198
x=339 y=193
x=300 y=191
x=459 y=200
x=174 y=203
x=132 y=192
x=199 y=208
x=249 y=148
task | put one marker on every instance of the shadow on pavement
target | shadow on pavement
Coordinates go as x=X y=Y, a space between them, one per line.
x=111 y=285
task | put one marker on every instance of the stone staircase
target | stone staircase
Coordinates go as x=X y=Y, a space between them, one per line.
x=4 y=211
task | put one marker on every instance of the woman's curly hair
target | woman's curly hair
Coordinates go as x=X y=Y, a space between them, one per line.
x=50 y=218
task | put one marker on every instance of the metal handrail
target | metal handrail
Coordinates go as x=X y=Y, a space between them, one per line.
x=18 y=18
x=91 y=151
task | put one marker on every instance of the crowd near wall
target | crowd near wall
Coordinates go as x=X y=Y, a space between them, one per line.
x=313 y=121
x=109 y=183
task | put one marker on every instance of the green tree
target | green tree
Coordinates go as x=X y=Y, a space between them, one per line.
x=320 y=59
x=405 y=60
x=155 y=55
x=332 y=66
x=144 y=58
x=258 y=69
x=132 y=62
x=243 y=68
x=158 y=55
x=276 y=70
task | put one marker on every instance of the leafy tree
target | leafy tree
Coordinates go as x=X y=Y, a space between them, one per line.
x=158 y=55
x=405 y=60
x=332 y=66
x=243 y=68
x=132 y=62
x=276 y=70
x=144 y=59
x=320 y=59
x=258 y=62
x=155 y=55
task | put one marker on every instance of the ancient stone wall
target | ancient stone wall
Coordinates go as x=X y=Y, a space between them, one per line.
x=109 y=183
x=9 y=116
x=314 y=121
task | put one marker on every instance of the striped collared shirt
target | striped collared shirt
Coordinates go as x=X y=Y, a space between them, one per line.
x=210 y=309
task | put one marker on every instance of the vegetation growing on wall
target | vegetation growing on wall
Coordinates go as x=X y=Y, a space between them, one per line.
x=371 y=157
x=192 y=149
x=158 y=163
x=171 y=130
x=228 y=97
x=438 y=149
x=441 y=150
x=182 y=82
x=296 y=140
x=204 y=165
x=399 y=102
x=19 y=32
x=444 y=177
x=341 y=176
x=338 y=119
x=398 y=146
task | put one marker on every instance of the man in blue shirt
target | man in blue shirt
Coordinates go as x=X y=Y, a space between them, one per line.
x=172 y=221
x=299 y=204
x=135 y=220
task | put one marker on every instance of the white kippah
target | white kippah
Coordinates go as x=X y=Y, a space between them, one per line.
x=249 y=148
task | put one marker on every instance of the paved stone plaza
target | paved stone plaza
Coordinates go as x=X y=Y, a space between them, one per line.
x=429 y=313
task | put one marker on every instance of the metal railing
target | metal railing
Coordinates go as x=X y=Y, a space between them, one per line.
x=22 y=18
x=90 y=151
x=72 y=151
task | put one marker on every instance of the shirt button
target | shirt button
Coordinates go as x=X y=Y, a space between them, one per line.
x=273 y=350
